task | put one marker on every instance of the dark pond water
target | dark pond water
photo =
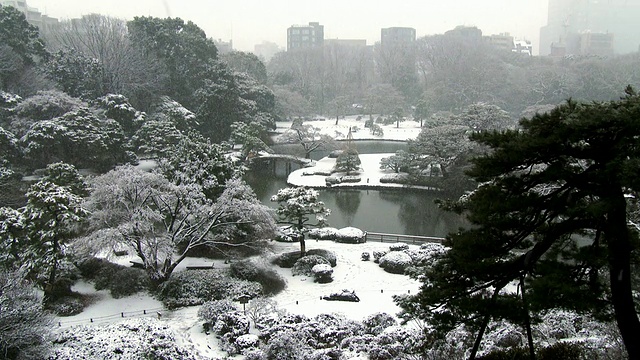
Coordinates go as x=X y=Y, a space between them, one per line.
x=410 y=212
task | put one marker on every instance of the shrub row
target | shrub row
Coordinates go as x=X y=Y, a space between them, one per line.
x=120 y=280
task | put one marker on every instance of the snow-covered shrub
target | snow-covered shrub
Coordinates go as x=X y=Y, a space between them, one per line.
x=350 y=235
x=377 y=255
x=427 y=253
x=326 y=354
x=398 y=247
x=286 y=346
x=329 y=255
x=344 y=295
x=325 y=233
x=394 y=178
x=130 y=339
x=358 y=343
x=66 y=305
x=395 y=262
x=190 y=288
x=120 y=280
x=304 y=265
x=365 y=256
x=394 y=341
x=210 y=311
x=258 y=271
x=563 y=350
x=332 y=180
x=286 y=260
x=246 y=342
x=231 y=325
x=350 y=179
x=264 y=312
x=128 y=281
x=322 y=273
x=254 y=354
x=376 y=323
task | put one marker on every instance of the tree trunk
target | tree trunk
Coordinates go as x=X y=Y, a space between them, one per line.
x=527 y=320
x=483 y=326
x=619 y=245
x=303 y=246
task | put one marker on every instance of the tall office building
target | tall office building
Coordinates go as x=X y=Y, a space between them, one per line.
x=33 y=15
x=586 y=27
x=301 y=36
x=397 y=36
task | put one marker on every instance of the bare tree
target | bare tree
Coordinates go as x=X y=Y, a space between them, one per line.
x=126 y=69
x=162 y=222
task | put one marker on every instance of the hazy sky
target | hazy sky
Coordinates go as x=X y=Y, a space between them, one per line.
x=249 y=22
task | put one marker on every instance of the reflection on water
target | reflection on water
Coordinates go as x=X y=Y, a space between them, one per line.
x=410 y=212
x=395 y=211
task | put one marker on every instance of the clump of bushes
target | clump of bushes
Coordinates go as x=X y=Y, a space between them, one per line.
x=322 y=273
x=350 y=235
x=252 y=270
x=120 y=280
x=374 y=324
x=325 y=233
x=377 y=255
x=344 y=295
x=305 y=265
x=398 y=247
x=189 y=288
x=288 y=260
x=395 y=262
x=344 y=235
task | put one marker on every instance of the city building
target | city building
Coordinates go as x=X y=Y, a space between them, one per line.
x=33 y=15
x=394 y=36
x=469 y=33
x=502 y=41
x=582 y=27
x=522 y=47
x=266 y=50
x=302 y=36
x=223 y=46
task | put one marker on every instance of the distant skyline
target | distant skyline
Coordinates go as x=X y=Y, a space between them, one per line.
x=250 y=22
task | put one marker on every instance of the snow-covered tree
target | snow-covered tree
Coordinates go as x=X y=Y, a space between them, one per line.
x=396 y=163
x=161 y=221
x=51 y=217
x=441 y=147
x=118 y=108
x=249 y=137
x=482 y=116
x=309 y=137
x=24 y=326
x=296 y=205
x=167 y=109
x=195 y=160
x=348 y=161
x=78 y=137
x=155 y=138
x=76 y=73
x=12 y=240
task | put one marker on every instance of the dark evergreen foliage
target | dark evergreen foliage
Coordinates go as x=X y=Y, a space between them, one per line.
x=551 y=210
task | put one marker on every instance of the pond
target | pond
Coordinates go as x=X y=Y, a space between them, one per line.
x=395 y=211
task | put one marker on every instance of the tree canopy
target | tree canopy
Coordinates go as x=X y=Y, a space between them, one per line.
x=551 y=213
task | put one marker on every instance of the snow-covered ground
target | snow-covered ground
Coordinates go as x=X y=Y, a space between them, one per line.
x=407 y=130
x=370 y=173
x=372 y=284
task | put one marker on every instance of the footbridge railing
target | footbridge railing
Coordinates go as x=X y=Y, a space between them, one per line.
x=409 y=239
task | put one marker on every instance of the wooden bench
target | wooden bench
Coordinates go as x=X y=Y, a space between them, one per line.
x=199 y=267
x=137 y=265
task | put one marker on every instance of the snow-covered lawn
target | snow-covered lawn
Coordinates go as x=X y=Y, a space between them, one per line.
x=372 y=284
x=370 y=174
x=407 y=130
